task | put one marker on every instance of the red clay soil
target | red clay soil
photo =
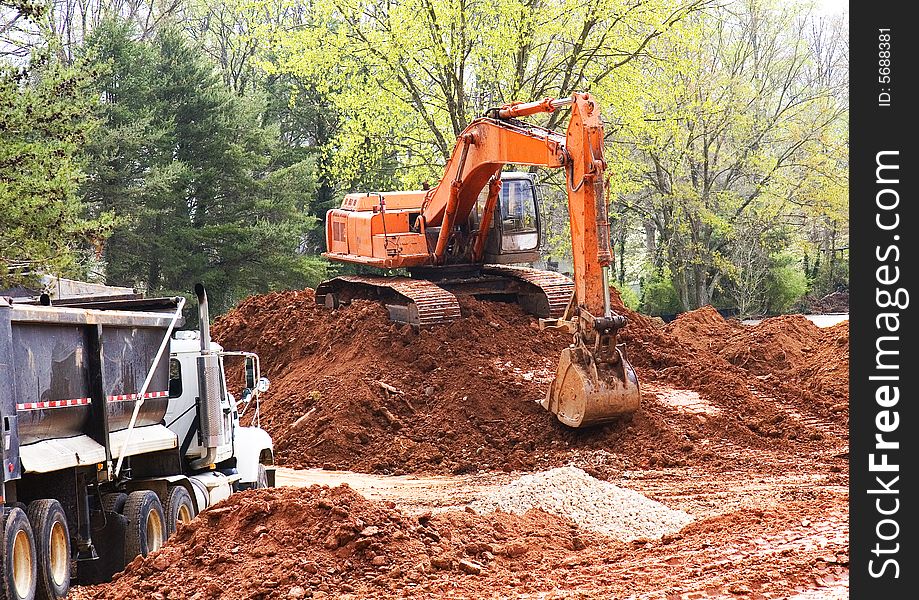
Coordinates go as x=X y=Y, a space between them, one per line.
x=352 y=390
x=794 y=359
x=320 y=541
x=331 y=543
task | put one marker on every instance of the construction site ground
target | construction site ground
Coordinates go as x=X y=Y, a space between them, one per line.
x=384 y=436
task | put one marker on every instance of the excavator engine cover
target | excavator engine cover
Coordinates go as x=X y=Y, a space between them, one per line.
x=585 y=392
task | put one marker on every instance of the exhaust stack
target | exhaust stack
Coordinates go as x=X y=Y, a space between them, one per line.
x=210 y=388
x=204 y=319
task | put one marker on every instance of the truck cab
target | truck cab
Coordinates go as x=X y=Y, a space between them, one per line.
x=244 y=454
x=514 y=232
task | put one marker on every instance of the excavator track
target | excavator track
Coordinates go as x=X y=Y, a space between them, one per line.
x=421 y=302
x=555 y=287
x=414 y=301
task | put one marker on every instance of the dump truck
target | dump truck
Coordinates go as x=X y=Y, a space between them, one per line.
x=475 y=232
x=116 y=428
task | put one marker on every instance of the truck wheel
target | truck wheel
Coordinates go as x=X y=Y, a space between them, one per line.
x=114 y=502
x=262 y=479
x=179 y=508
x=52 y=548
x=17 y=557
x=146 y=524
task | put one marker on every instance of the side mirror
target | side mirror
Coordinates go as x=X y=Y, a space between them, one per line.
x=263 y=384
x=250 y=372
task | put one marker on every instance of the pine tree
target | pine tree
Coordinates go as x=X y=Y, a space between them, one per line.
x=44 y=120
x=189 y=164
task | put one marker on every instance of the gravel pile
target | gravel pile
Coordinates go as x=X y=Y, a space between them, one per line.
x=593 y=504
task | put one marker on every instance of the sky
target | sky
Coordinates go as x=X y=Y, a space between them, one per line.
x=833 y=7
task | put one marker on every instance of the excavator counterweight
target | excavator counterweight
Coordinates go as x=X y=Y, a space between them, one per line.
x=474 y=231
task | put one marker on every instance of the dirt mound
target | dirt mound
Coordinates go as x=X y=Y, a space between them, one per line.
x=836 y=302
x=330 y=542
x=352 y=390
x=703 y=330
x=790 y=356
x=325 y=542
x=825 y=373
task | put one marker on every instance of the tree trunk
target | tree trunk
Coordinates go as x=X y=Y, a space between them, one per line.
x=650 y=239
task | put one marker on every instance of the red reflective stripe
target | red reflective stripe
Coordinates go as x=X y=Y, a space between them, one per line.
x=53 y=404
x=147 y=396
x=84 y=401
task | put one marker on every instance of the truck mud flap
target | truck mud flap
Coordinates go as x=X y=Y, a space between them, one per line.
x=109 y=530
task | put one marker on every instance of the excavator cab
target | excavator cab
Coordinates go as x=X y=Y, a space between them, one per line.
x=515 y=232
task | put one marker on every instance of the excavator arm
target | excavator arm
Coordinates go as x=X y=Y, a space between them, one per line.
x=594 y=382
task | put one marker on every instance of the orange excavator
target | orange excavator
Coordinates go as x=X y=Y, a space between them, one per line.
x=470 y=234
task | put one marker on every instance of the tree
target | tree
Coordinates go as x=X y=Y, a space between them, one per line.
x=739 y=113
x=189 y=165
x=67 y=23
x=409 y=75
x=43 y=124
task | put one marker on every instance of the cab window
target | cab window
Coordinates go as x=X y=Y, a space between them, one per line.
x=175 y=378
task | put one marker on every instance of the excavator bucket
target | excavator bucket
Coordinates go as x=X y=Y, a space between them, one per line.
x=587 y=392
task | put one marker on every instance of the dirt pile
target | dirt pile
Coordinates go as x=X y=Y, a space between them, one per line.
x=325 y=542
x=352 y=390
x=836 y=302
x=689 y=354
x=790 y=356
x=331 y=542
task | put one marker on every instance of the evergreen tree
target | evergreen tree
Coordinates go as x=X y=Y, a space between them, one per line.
x=189 y=164
x=44 y=120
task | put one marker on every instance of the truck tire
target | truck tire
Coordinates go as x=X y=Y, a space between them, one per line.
x=114 y=502
x=146 y=524
x=52 y=549
x=17 y=557
x=179 y=508
x=261 y=480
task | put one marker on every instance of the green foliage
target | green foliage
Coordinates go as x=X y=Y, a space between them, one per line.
x=786 y=284
x=44 y=121
x=407 y=76
x=188 y=164
x=743 y=119
x=827 y=276
x=659 y=297
x=629 y=297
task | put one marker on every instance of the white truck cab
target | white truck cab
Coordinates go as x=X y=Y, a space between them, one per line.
x=249 y=448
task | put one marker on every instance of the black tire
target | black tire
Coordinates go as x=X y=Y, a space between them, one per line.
x=179 y=508
x=114 y=502
x=261 y=480
x=18 y=562
x=52 y=547
x=146 y=531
